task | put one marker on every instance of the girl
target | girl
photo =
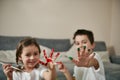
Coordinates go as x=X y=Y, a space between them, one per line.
x=28 y=54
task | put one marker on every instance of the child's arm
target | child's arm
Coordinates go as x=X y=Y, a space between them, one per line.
x=8 y=71
x=94 y=62
x=50 y=74
x=65 y=71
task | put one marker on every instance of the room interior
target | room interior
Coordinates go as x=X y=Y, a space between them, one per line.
x=59 y=19
x=48 y=19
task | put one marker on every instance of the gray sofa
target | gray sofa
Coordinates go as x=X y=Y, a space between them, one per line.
x=112 y=69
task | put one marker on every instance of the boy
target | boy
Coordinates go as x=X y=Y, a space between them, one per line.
x=88 y=65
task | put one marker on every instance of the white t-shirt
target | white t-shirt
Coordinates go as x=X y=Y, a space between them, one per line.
x=83 y=73
x=36 y=74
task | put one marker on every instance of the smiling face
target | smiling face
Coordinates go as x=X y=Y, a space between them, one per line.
x=84 y=37
x=83 y=40
x=29 y=57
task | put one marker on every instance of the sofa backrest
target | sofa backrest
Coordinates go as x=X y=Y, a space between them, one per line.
x=10 y=43
x=100 y=46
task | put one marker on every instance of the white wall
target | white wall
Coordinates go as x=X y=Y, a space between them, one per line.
x=56 y=18
x=115 y=29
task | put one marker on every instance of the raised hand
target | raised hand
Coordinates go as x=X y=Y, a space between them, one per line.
x=85 y=57
x=8 y=70
x=50 y=58
x=62 y=67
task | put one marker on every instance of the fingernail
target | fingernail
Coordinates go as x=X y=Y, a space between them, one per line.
x=70 y=58
x=84 y=47
x=78 y=49
x=88 y=50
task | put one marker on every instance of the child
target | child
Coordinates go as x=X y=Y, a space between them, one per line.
x=28 y=54
x=89 y=65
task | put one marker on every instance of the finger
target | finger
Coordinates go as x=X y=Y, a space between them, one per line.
x=87 y=52
x=78 y=52
x=91 y=55
x=5 y=66
x=51 y=65
x=56 y=56
x=90 y=60
x=90 y=51
x=58 y=62
x=60 y=65
x=84 y=47
x=84 y=50
x=76 y=62
x=45 y=55
x=51 y=54
x=43 y=63
x=81 y=53
x=8 y=68
x=69 y=57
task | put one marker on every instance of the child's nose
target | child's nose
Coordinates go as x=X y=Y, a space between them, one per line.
x=32 y=57
x=80 y=45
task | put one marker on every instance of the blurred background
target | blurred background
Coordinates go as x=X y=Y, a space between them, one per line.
x=59 y=19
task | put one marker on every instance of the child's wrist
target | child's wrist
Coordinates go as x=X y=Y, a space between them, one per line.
x=94 y=63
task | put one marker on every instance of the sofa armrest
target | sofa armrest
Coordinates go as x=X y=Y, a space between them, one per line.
x=115 y=59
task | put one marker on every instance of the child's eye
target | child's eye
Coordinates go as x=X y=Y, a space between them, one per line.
x=84 y=42
x=36 y=53
x=28 y=55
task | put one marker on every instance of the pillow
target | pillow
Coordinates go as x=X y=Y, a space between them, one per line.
x=104 y=55
x=71 y=52
x=8 y=56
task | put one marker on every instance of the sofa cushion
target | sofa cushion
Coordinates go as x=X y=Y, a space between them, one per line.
x=115 y=59
x=8 y=56
x=104 y=55
x=112 y=71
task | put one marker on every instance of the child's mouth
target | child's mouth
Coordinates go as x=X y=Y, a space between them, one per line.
x=32 y=62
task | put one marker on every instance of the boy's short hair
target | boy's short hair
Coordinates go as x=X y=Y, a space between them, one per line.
x=89 y=34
